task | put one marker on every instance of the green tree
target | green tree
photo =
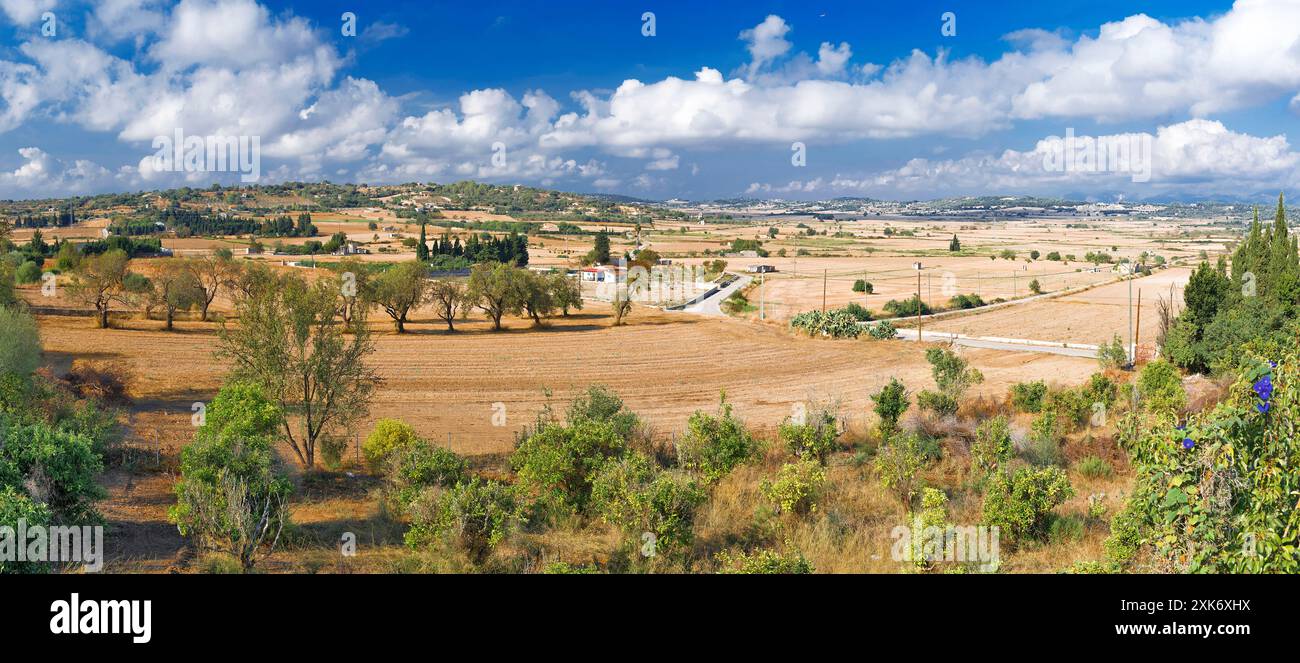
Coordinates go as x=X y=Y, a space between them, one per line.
x=954 y=245
x=422 y=249
x=233 y=496
x=20 y=342
x=493 y=288
x=174 y=288
x=401 y=290
x=99 y=283
x=448 y=298
x=891 y=402
x=290 y=342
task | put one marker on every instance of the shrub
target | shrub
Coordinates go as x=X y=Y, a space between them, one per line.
x=421 y=465
x=765 y=562
x=557 y=464
x=20 y=342
x=713 y=446
x=897 y=464
x=938 y=403
x=883 y=330
x=952 y=373
x=1028 y=396
x=233 y=495
x=1161 y=388
x=389 y=436
x=907 y=307
x=1020 y=504
x=859 y=312
x=29 y=272
x=966 y=301
x=14 y=506
x=797 y=487
x=631 y=495
x=891 y=402
x=862 y=285
x=1035 y=287
x=53 y=467
x=814 y=439
x=837 y=323
x=992 y=447
x=1113 y=355
x=1094 y=467
x=600 y=404
x=475 y=516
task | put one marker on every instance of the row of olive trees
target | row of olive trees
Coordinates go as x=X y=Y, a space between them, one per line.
x=498 y=289
x=104 y=281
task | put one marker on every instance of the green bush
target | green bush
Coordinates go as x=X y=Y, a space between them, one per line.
x=1021 y=503
x=20 y=342
x=233 y=494
x=389 y=436
x=29 y=272
x=600 y=404
x=897 y=464
x=890 y=404
x=14 y=506
x=421 y=465
x=765 y=562
x=992 y=447
x=630 y=494
x=859 y=312
x=797 y=487
x=1094 y=467
x=1028 y=396
x=814 y=439
x=883 y=330
x=61 y=465
x=714 y=445
x=837 y=323
x=475 y=516
x=938 y=403
x=1113 y=355
x=862 y=285
x=556 y=465
x=1161 y=388
x=907 y=307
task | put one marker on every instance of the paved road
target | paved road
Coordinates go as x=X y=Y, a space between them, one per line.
x=1012 y=345
x=712 y=305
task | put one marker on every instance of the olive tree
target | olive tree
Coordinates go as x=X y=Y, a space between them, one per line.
x=400 y=290
x=99 y=282
x=448 y=298
x=290 y=343
x=493 y=288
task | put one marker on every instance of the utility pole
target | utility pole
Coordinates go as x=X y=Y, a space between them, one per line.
x=1137 y=328
x=824 y=290
x=762 y=296
x=1130 y=318
x=919 y=305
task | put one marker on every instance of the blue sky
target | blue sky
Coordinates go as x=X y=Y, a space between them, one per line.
x=874 y=97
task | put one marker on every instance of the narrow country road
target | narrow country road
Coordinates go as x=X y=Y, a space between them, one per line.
x=713 y=304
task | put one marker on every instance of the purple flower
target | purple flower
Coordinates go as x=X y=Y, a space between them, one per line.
x=1188 y=443
x=1263 y=407
x=1264 y=387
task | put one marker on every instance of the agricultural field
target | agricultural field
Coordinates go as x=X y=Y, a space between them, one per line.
x=480 y=392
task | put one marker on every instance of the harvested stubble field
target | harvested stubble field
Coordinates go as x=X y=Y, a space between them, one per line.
x=666 y=366
x=1092 y=316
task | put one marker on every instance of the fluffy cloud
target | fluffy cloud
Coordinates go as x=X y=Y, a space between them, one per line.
x=206 y=66
x=41 y=174
x=1196 y=155
x=24 y=12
